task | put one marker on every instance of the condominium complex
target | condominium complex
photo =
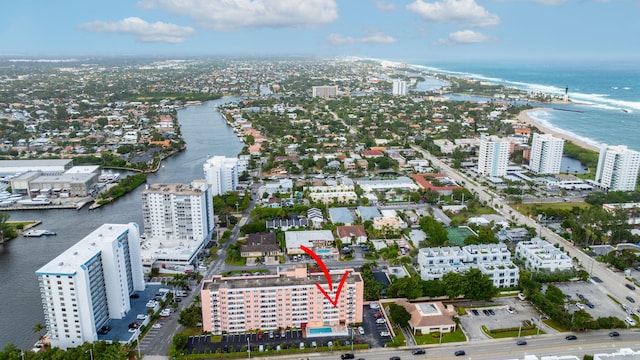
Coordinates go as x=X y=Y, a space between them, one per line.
x=178 y=221
x=399 y=88
x=546 y=154
x=287 y=299
x=539 y=254
x=617 y=168
x=493 y=156
x=90 y=283
x=222 y=174
x=326 y=91
x=493 y=260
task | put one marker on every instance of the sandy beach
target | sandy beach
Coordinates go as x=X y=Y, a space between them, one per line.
x=525 y=118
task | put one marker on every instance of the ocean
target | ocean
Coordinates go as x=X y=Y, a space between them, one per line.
x=605 y=96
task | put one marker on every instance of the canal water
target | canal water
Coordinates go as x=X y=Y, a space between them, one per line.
x=206 y=134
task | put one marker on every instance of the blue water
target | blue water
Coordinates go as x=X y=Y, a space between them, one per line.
x=607 y=94
x=324 y=330
x=323 y=251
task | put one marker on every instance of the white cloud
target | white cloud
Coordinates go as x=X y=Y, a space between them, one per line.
x=144 y=31
x=384 y=6
x=372 y=37
x=465 y=37
x=223 y=15
x=461 y=12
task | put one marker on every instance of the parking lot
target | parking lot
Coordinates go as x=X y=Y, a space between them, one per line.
x=603 y=305
x=496 y=316
x=293 y=338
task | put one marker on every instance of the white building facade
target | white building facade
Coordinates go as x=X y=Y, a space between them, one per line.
x=617 y=168
x=493 y=260
x=222 y=174
x=546 y=154
x=493 y=156
x=399 y=88
x=539 y=254
x=90 y=283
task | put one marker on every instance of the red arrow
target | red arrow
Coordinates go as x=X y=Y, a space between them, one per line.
x=327 y=275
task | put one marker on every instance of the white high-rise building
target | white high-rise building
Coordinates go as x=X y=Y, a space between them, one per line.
x=222 y=174
x=178 y=223
x=546 y=154
x=178 y=211
x=399 y=88
x=90 y=283
x=493 y=156
x=325 y=91
x=617 y=168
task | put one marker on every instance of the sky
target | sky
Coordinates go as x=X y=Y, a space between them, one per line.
x=409 y=30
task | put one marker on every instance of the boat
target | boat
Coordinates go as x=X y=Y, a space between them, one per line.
x=35 y=201
x=39 y=233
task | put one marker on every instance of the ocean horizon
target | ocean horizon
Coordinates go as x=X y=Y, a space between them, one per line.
x=605 y=96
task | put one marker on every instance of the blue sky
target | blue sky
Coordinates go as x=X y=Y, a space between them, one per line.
x=409 y=30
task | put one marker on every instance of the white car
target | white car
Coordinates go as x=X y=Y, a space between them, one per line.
x=165 y=312
x=580 y=306
x=141 y=316
x=374 y=305
x=510 y=310
x=381 y=321
x=156 y=326
x=361 y=330
x=630 y=321
x=384 y=333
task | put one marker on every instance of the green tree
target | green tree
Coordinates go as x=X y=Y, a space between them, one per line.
x=399 y=315
x=190 y=317
x=453 y=284
x=477 y=286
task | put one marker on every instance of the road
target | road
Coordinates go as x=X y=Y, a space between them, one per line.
x=613 y=283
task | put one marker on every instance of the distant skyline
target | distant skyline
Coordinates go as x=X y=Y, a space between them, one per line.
x=410 y=30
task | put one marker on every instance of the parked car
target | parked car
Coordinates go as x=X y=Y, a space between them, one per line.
x=631 y=287
x=377 y=315
x=394 y=358
x=418 y=352
x=381 y=321
x=571 y=337
x=361 y=330
x=590 y=304
x=460 y=353
x=631 y=300
x=374 y=305
x=580 y=306
x=384 y=334
x=492 y=312
x=475 y=312
x=510 y=310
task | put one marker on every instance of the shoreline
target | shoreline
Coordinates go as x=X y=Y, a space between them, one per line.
x=524 y=117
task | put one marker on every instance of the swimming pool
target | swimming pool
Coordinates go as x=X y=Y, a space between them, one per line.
x=323 y=251
x=322 y=330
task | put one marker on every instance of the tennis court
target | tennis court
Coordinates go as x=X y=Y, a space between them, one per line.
x=457 y=235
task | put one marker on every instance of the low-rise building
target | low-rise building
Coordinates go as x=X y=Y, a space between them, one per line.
x=260 y=244
x=538 y=254
x=354 y=234
x=316 y=240
x=430 y=317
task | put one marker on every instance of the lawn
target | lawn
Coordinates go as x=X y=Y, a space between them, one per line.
x=434 y=338
x=533 y=208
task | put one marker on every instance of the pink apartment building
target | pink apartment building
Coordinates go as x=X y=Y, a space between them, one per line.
x=288 y=299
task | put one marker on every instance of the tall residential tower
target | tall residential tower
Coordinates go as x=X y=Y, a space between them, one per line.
x=90 y=283
x=493 y=156
x=222 y=174
x=617 y=168
x=546 y=154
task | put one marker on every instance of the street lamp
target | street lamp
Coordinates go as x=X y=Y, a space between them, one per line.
x=90 y=353
x=248 y=348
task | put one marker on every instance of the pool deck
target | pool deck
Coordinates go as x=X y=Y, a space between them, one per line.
x=335 y=331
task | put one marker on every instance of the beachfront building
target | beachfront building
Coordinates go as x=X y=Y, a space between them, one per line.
x=546 y=154
x=222 y=174
x=493 y=156
x=326 y=91
x=617 y=168
x=178 y=222
x=289 y=299
x=90 y=283
x=493 y=260
x=539 y=254
x=399 y=88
